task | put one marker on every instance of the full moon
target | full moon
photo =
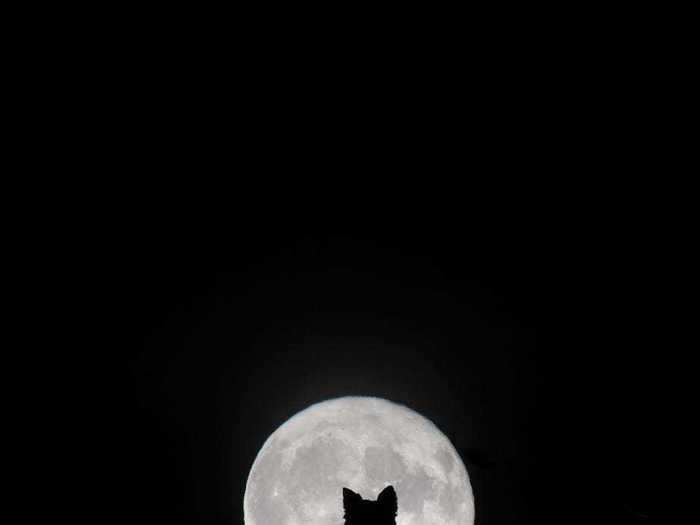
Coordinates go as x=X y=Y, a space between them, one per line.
x=364 y=444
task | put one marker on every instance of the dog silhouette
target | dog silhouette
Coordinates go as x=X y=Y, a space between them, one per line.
x=362 y=512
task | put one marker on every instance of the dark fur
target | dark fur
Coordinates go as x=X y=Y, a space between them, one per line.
x=362 y=512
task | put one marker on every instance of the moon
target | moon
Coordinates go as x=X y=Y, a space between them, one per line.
x=364 y=444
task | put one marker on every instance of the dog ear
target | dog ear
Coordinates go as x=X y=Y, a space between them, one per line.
x=387 y=499
x=350 y=499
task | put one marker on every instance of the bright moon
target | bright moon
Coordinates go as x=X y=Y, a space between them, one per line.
x=364 y=444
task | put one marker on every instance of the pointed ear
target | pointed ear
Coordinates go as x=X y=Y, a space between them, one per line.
x=387 y=499
x=350 y=498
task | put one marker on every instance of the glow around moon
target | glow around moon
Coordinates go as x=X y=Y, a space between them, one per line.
x=364 y=444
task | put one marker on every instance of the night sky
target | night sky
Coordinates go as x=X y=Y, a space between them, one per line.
x=517 y=345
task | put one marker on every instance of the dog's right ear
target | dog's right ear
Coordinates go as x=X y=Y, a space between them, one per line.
x=387 y=499
x=350 y=499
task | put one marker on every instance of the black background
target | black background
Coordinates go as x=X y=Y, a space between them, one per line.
x=512 y=335
x=520 y=318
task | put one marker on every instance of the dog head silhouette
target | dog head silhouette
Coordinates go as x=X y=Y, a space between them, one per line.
x=362 y=512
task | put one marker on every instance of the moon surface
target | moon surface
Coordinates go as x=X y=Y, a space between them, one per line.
x=364 y=444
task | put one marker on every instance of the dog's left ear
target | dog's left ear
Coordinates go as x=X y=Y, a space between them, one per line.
x=350 y=498
x=387 y=499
